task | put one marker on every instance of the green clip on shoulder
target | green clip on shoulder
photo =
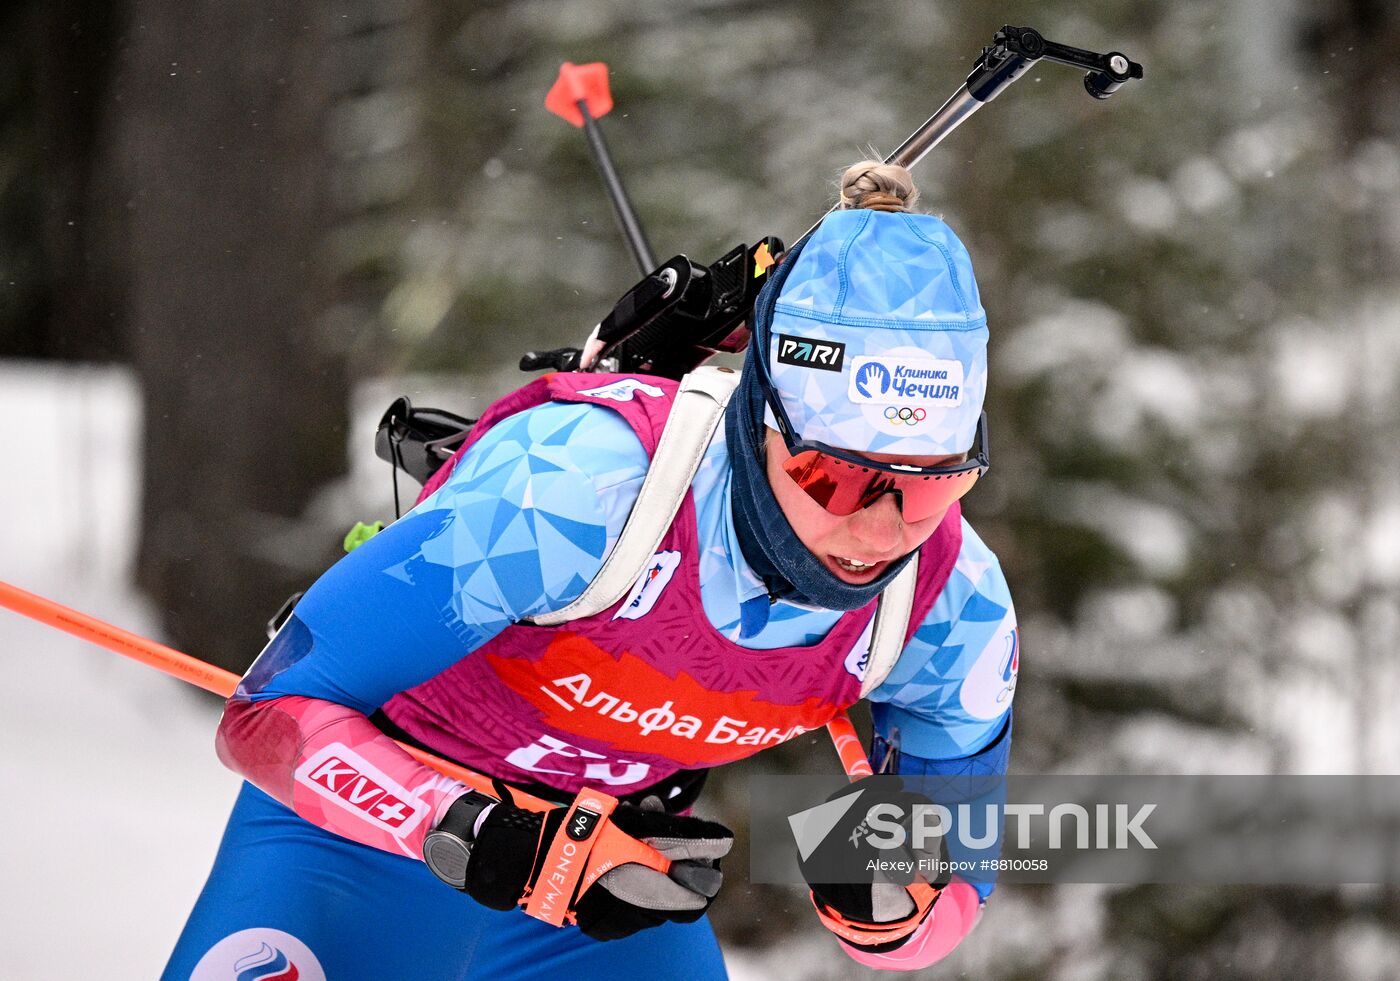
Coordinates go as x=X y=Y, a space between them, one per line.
x=360 y=534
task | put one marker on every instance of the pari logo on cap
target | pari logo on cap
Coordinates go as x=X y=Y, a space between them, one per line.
x=807 y=352
x=915 y=382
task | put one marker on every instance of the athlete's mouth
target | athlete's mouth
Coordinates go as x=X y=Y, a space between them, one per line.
x=854 y=570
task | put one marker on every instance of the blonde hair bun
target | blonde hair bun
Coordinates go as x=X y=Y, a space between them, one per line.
x=878 y=186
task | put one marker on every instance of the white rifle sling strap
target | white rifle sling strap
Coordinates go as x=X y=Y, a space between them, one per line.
x=891 y=624
x=694 y=418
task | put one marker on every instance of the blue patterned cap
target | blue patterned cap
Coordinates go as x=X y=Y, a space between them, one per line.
x=878 y=340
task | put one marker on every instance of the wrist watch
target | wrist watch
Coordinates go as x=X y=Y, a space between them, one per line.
x=448 y=846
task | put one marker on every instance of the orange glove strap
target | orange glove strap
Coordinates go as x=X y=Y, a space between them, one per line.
x=553 y=889
x=870 y=934
x=586 y=846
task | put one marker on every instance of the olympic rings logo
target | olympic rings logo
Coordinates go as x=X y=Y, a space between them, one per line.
x=905 y=416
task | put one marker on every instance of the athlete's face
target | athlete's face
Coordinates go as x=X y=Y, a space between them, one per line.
x=857 y=547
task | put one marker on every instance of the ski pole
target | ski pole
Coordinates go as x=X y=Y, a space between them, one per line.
x=200 y=673
x=853 y=758
x=581 y=96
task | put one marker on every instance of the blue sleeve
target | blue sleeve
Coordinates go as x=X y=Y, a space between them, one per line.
x=519 y=529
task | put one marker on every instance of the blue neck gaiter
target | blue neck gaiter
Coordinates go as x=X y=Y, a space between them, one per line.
x=768 y=542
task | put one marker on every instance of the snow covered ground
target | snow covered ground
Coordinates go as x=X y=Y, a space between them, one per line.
x=113 y=798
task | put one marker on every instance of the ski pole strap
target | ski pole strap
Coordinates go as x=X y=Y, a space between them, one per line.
x=586 y=846
x=552 y=892
x=863 y=934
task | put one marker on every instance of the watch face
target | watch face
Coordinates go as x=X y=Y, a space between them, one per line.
x=447 y=855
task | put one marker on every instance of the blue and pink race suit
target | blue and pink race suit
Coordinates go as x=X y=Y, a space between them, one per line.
x=423 y=629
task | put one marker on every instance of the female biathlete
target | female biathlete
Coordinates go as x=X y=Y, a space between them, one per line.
x=855 y=427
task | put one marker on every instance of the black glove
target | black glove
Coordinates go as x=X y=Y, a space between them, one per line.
x=511 y=847
x=872 y=897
